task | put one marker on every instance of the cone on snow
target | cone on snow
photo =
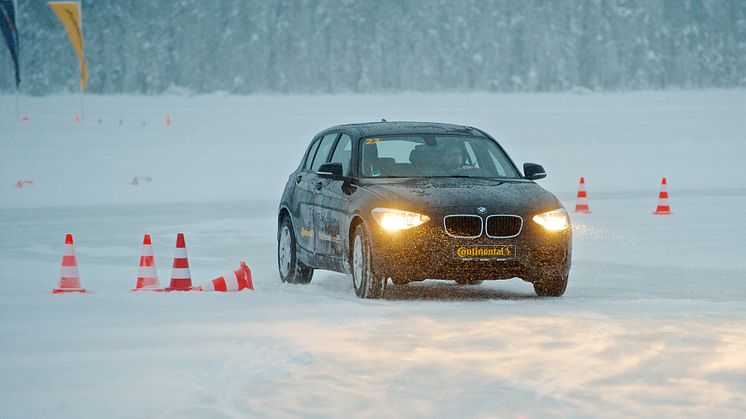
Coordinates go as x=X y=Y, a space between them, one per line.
x=234 y=281
x=581 y=204
x=69 y=276
x=22 y=182
x=147 y=276
x=663 y=207
x=181 y=276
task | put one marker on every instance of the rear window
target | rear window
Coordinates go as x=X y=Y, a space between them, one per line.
x=322 y=153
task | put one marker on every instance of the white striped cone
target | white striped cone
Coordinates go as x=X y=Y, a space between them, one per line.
x=181 y=277
x=147 y=275
x=69 y=275
x=234 y=281
x=582 y=200
x=663 y=207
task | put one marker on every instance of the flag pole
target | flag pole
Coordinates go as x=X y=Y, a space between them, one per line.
x=18 y=104
x=80 y=62
x=18 y=37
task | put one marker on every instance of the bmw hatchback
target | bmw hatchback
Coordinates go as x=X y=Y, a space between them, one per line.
x=409 y=201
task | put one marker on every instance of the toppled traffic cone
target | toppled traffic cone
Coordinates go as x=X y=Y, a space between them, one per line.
x=22 y=182
x=234 y=281
x=181 y=276
x=69 y=276
x=663 y=208
x=581 y=204
x=147 y=276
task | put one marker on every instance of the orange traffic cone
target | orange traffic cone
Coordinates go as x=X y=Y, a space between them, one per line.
x=69 y=276
x=22 y=182
x=181 y=277
x=168 y=120
x=663 y=208
x=77 y=117
x=582 y=201
x=233 y=281
x=147 y=276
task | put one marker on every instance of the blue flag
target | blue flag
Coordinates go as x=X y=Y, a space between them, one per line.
x=10 y=32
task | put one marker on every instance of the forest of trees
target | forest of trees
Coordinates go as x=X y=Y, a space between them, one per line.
x=330 y=46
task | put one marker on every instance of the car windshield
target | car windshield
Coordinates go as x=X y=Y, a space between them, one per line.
x=426 y=155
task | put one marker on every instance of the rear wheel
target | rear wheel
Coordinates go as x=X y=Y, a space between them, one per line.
x=366 y=279
x=292 y=270
x=551 y=285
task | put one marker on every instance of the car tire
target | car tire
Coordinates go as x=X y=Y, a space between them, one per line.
x=367 y=280
x=469 y=281
x=292 y=270
x=552 y=285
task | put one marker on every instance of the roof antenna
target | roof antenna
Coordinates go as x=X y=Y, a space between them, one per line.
x=383 y=120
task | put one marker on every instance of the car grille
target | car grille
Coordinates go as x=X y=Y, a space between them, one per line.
x=463 y=226
x=504 y=225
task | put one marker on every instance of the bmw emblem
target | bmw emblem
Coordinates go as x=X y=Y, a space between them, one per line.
x=482 y=210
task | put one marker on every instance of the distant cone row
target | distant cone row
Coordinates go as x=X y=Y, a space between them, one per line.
x=147 y=275
x=663 y=208
x=78 y=119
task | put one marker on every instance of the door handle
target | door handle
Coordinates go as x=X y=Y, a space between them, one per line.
x=319 y=185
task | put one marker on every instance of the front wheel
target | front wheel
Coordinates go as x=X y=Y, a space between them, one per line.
x=553 y=285
x=292 y=270
x=367 y=281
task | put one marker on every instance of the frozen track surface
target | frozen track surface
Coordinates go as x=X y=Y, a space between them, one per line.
x=652 y=323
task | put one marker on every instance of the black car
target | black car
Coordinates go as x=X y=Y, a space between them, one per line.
x=411 y=201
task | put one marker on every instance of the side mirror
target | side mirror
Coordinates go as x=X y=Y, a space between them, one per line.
x=330 y=171
x=533 y=171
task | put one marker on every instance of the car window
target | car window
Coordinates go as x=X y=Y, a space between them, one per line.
x=323 y=152
x=399 y=150
x=427 y=155
x=311 y=154
x=500 y=160
x=343 y=152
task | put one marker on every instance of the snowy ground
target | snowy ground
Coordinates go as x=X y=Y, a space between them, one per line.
x=653 y=323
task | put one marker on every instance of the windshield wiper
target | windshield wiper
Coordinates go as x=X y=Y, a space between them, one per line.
x=457 y=176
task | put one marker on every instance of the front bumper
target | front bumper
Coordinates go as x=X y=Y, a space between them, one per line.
x=427 y=252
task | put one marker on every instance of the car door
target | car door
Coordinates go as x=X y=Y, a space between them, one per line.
x=301 y=206
x=332 y=203
x=306 y=180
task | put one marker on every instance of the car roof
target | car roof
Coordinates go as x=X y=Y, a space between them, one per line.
x=366 y=129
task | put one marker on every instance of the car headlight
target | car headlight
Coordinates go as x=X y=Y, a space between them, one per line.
x=555 y=220
x=395 y=220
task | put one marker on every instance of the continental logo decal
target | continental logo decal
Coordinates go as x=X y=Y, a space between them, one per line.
x=306 y=233
x=325 y=237
x=484 y=252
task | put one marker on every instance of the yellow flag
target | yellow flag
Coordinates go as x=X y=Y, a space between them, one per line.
x=69 y=14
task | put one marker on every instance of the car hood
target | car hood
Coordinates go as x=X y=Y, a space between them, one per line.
x=498 y=196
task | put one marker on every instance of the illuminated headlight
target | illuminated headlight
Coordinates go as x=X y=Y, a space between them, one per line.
x=395 y=220
x=555 y=220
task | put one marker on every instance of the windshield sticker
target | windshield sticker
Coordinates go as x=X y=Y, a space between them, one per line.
x=373 y=141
